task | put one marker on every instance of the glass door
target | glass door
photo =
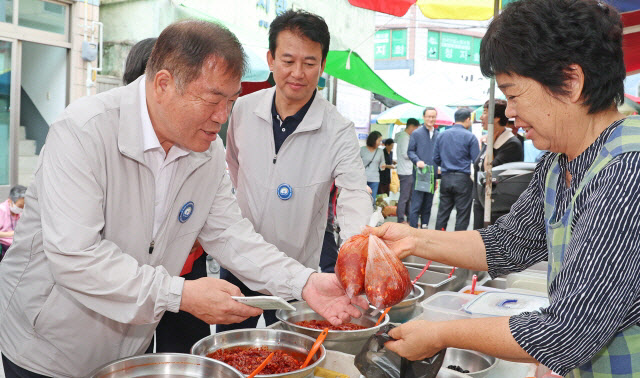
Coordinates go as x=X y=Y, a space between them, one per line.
x=6 y=146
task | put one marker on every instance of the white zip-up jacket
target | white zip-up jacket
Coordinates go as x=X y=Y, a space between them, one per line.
x=80 y=287
x=323 y=148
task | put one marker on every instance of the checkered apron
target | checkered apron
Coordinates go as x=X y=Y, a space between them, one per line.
x=621 y=357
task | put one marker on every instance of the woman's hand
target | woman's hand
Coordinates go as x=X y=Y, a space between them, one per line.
x=400 y=238
x=415 y=340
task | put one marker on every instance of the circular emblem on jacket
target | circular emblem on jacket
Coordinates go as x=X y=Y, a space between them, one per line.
x=185 y=212
x=285 y=192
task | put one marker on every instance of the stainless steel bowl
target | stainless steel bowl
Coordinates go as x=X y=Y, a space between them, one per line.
x=169 y=365
x=343 y=341
x=271 y=338
x=478 y=364
x=404 y=311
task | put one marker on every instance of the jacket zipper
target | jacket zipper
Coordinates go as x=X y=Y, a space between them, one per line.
x=274 y=158
x=151 y=246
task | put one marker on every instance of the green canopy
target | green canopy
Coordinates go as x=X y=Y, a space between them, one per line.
x=349 y=67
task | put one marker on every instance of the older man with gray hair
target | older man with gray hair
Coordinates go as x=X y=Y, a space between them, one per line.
x=127 y=181
x=10 y=211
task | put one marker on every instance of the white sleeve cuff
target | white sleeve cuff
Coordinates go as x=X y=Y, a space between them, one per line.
x=175 y=293
x=298 y=281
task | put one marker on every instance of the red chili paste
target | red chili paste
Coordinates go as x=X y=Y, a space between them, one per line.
x=322 y=324
x=247 y=359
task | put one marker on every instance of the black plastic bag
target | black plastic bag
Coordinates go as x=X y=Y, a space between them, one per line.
x=374 y=361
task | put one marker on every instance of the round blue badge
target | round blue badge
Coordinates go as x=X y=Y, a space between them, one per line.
x=285 y=192
x=185 y=212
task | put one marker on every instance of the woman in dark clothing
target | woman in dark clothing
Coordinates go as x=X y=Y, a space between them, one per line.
x=506 y=149
x=385 y=174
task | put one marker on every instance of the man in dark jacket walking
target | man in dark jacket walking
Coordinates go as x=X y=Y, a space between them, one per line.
x=420 y=152
x=454 y=151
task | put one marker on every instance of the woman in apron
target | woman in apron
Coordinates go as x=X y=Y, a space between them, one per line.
x=560 y=65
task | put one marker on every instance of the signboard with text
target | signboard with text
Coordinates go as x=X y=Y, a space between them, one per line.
x=399 y=43
x=453 y=48
x=433 y=45
x=382 y=45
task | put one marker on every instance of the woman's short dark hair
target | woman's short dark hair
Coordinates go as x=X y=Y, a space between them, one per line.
x=137 y=60
x=302 y=23
x=184 y=46
x=540 y=39
x=499 y=109
x=372 y=138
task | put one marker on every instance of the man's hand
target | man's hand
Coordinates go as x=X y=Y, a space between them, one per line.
x=209 y=299
x=400 y=238
x=420 y=164
x=326 y=297
x=415 y=340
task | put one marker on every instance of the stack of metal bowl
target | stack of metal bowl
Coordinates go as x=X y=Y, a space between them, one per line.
x=166 y=365
x=259 y=337
x=343 y=341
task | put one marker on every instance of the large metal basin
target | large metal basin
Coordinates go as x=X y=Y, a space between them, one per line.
x=433 y=282
x=478 y=364
x=169 y=365
x=271 y=338
x=343 y=341
x=405 y=310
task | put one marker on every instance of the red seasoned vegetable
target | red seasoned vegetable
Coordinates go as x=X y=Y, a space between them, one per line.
x=387 y=280
x=350 y=267
x=322 y=324
x=247 y=359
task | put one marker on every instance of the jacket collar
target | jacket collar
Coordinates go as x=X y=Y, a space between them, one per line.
x=130 y=140
x=130 y=135
x=311 y=121
x=502 y=138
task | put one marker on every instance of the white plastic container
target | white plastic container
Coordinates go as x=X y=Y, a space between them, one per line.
x=504 y=304
x=445 y=305
x=528 y=280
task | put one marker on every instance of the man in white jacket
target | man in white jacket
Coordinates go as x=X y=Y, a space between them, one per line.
x=126 y=183
x=405 y=169
x=287 y=145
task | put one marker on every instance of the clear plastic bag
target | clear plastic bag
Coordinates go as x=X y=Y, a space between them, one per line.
x=351 y=264
x=386 y=279
x=374 y=361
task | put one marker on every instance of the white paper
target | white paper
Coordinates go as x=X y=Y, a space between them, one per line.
x=266 y=302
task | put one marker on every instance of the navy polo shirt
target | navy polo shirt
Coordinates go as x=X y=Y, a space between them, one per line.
x=282 y=129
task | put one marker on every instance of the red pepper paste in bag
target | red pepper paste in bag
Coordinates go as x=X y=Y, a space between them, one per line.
x=386 y=280
x=351 y=263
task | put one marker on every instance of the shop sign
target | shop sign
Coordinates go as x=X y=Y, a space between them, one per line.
x=433 y=45
x=453 y=48
x=381 y=44
x=399 y=43
x=265 y=5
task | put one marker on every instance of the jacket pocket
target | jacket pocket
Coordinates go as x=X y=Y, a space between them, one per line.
x=80 y=339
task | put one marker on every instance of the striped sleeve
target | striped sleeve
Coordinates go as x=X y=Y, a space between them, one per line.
x=518 y=240
x=596 y=294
